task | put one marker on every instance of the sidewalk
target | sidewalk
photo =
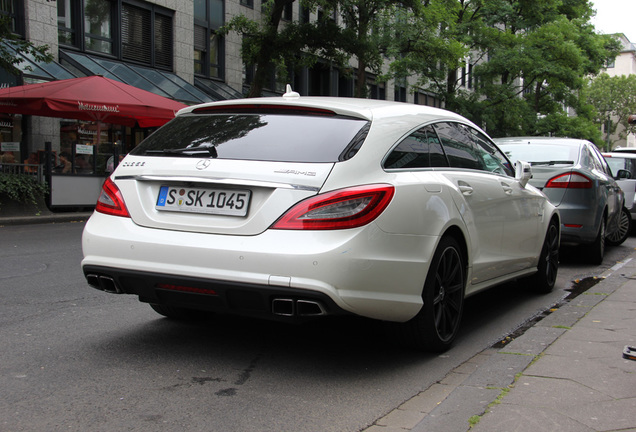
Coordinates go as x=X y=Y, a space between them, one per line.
x=566 y=373
x=23 y=214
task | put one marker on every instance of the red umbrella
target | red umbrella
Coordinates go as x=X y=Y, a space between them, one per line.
x=92 y=98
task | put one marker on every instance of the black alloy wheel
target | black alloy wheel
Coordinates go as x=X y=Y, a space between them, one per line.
x=435 y=327
x=544 y=279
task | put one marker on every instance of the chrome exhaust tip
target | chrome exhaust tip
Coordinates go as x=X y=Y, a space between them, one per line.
x=283 y=307
x=310 y=308
x=108 y=284
x=302 y=308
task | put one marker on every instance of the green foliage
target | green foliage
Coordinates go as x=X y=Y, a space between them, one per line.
x=14 y=45
x=23 y=188
x=614 y=99
x=539 y=54
x=530 y=59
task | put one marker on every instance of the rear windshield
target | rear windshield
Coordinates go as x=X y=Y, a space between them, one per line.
x=542 y=154
x=618 y=163
x=263 y=137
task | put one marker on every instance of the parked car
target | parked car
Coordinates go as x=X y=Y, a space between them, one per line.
x=623 y=166
x=298 y=207
x=577 y=180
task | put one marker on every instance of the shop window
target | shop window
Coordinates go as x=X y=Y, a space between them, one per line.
x=139 y=32
x=208 y=17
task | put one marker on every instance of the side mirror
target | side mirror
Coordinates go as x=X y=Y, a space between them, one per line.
x=623 y=175
x=523 y=172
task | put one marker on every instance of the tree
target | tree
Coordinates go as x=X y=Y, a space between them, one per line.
x=270 y=47
x=539 y=56
x=363 y=37
x=614 y=99
x=13 y=46
x=428 y=41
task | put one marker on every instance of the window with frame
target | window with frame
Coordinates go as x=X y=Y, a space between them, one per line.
x=287 y=12
x=248 y=3
x=304 y=14
x=459 y=149
x=127 y=30
x=469 y=148
x=208 y=17
x=494 y=159
x=98 y=19
x=421 y=149
x=13 y=11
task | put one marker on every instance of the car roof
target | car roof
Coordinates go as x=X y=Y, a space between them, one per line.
x=620 y=155
x=623 y=150
x=542 y=140
x=367 y=109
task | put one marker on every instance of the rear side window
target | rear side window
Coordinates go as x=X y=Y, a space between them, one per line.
x=263 y=137
x=421 y=149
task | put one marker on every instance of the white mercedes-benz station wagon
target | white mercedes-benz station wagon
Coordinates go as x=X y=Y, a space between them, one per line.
x=300 y=207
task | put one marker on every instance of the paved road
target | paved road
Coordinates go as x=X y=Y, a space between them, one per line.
x=77 y=359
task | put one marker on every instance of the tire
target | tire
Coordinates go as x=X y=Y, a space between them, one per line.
x=177 y=313
x=435 y=327
x=544 y=279
x=597 y=249
x=623 y=229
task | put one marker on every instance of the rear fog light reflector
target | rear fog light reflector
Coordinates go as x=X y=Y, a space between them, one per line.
x=188 y=289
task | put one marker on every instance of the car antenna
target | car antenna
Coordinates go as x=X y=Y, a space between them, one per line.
x=290 y=94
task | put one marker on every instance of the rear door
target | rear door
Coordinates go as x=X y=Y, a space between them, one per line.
x=501 y=212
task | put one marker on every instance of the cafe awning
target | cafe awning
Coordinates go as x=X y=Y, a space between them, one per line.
x=93 y=98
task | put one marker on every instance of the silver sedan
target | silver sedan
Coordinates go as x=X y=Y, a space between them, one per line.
x=576 y=178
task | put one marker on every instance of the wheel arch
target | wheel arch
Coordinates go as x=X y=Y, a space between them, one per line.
x=456 y=232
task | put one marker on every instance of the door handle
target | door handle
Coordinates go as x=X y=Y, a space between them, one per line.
x=465 y=189
x=507 y=189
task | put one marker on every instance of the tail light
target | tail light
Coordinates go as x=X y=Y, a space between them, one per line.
x=110 y=201
x=569 y=181
x=341 y=209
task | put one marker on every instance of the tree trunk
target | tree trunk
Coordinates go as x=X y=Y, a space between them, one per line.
x=267 y=50
x=363 y=28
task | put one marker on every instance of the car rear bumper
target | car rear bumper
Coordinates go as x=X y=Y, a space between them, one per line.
x=363 y=271
x=578 y=225
x=260 y=301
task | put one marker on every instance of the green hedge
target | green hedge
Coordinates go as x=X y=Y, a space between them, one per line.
x=23 y=188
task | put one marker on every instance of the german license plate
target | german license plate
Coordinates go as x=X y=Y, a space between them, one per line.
x=228 y=202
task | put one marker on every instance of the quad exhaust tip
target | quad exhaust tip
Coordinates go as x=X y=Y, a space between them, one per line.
x=301 y=308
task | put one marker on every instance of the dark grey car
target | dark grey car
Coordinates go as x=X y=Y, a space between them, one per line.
x=577 y=180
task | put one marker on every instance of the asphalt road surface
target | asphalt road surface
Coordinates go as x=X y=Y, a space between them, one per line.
x=77 y=359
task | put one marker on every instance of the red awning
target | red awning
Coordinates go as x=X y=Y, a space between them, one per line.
x=93 y=98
